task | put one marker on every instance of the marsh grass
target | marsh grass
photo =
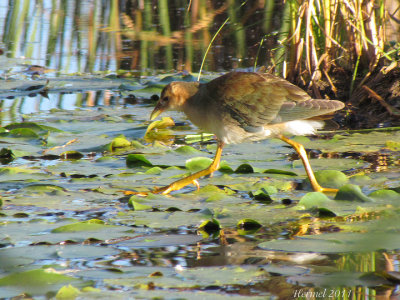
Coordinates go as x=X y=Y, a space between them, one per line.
x=303 y=41
x=320 y=34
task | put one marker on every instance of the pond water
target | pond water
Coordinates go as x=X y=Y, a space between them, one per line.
x=73 y=139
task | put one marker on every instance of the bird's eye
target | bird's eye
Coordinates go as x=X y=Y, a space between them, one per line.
x=165 y=99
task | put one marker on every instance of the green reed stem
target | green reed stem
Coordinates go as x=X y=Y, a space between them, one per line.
x=209 y=47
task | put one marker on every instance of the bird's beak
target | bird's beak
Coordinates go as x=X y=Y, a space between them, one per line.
x=156 y=111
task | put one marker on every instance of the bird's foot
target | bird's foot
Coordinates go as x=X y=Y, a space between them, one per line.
x=129 y=193
x=176 y=185
x=329 y=190
x=165 y=190
x=321 y=189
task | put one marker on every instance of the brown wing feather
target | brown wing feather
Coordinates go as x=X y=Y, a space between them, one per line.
x=254 y=99
x=290 y=111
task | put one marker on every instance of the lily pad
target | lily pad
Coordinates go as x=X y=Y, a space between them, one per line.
x=31 y=126
x=393 y=145
x=90 y=225
x=387 y=195
x=71 y=155
x=331 y=178
x=37 y=282
x=187 y=150
x=137 y=160
x=24 y=133
x=244 y=169
x=210 y=226
x=351 y=192
x=337 y=243
x=119 y=142
x=67 y=292
x=138 y=203
x=314 y=199
x=198 y=163
x=248 y=224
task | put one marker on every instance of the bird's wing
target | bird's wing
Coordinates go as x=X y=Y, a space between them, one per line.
x=290 y=111
x=254 y=99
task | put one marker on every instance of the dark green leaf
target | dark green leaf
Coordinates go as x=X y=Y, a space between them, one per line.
x=281 y=172
x=351 y=192
x=210 y=226
x=248 y=224
x=244 y=169
x=24 y=132
x=71 y=155
x=137 y=160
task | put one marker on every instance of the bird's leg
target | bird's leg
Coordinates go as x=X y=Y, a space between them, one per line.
x=179 y=184
x=303 y=155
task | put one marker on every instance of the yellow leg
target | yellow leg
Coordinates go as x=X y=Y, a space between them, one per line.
x=303 y=155
x=179 y=184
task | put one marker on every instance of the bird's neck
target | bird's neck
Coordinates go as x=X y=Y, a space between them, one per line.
x=196 y=96
x=184 y=91
x=199 y=107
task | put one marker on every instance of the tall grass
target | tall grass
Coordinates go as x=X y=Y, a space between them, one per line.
x=302 y=40
x=319 y=34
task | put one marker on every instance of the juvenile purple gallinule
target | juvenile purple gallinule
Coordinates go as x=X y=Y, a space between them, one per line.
x=245 y=106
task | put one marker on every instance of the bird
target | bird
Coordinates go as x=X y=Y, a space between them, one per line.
x=243 y=107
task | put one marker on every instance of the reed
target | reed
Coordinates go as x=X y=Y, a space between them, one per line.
x=166 y=29
x=301 y=40
x=324 y=33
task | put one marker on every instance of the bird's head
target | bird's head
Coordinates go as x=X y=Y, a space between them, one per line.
x=174 y=97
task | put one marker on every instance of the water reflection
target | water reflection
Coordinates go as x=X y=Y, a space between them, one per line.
x=13 y=110
x=100 y=37
x=63 y=35
x=90 y=36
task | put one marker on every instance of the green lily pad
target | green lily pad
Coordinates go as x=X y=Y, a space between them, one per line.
x=187 y=150
x=261 y=195
x=119 y=142
x=137 y=160
x=90 y=225
x=341 y=242
x=224 y=167
x=331 y=178
x=360 y=179
x=67 y=292
x=137 y=203
x=244 y=169
x=393 y=145
x=45 y=188
x=24 y=133
x=37 y=282
x=314 y=199
x=154 y=171
x=387 y=195
x=248 y=224
x=210 y=226
x=198 y=163
x=16 y=170
x=6 y=155
x=71 y=155
x=32 y=126
x=351 y=192
x=281 y=172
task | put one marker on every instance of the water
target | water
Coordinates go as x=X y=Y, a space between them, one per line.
x=160 y=251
